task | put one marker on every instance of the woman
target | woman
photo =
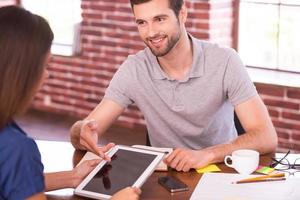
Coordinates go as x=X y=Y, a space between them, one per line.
x=25 y=41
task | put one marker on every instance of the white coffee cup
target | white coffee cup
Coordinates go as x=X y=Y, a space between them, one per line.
x=244 y=161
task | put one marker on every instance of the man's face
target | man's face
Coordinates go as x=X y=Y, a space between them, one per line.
x=158 y=26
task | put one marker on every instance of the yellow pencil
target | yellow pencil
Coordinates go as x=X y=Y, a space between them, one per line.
x=271 y=177
x=260 y=180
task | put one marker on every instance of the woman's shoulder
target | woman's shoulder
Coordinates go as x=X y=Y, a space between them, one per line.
x=13 y=138
x=21 y=169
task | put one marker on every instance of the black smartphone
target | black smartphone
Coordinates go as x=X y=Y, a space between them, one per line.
x=172 y=184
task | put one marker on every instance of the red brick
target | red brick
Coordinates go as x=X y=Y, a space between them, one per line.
x=86 y=49
x=286 y=125
x=189 y=24
x=281 y=103
x=125 y=28
x=201 y=25
x=199 y=15
x=273 y=112
x=295 y=147
x=129 y=46
x=120 y=18
x=290 y=115
x=91 y=32
x=119 y=53
x=293 y=93
x=296 y=137
x=102 y=8
x=94 y=102
x=270 y=90
x=103 y=24
x=282 y=134
x=201 y=5
x=97 y=16
x=124 y=9
x=287 y=145
x=117 y=35
x=104 y=43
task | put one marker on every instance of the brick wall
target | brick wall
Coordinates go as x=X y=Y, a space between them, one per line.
x=283 y=104
x=108 y=35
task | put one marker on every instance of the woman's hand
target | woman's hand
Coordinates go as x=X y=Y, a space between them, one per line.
x=129 y=193
x=82 y=170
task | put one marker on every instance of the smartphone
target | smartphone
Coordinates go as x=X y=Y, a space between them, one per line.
x=172 y=184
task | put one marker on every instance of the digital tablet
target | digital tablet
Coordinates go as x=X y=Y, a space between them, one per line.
x=129 y=166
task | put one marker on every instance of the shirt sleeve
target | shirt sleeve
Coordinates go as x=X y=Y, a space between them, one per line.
x=23 y=171
x=238 y=85
x=118 y=89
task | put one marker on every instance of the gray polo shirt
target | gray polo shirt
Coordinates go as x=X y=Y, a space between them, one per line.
x=194 y=113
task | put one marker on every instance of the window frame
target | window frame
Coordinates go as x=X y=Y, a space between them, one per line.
x=65 y=49
x=236 y=5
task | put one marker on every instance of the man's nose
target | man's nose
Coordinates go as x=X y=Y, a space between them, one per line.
x=152 y=30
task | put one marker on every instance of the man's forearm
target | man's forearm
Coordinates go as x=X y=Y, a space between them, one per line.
x=263 y=143
x=75 y=135
x=99 y=120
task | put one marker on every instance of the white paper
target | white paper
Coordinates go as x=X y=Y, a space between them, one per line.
x=218 y=186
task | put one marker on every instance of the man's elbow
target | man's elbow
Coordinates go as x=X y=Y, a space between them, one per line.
x=271 y=142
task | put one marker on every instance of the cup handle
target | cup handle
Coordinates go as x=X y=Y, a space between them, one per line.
x=226 y=163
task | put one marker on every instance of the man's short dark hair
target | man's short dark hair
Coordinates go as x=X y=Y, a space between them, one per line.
x=175 y=5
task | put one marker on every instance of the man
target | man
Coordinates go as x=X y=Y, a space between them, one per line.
x=187 y=90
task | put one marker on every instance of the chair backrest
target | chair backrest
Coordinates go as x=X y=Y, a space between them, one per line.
x=239 y=128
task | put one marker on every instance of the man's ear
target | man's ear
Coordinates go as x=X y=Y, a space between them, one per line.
x=183 y=14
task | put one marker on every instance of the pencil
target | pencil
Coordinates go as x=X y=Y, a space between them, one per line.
x=260 y=180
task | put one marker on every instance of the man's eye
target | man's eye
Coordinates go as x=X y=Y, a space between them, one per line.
x=160 y=19
x=140 y=23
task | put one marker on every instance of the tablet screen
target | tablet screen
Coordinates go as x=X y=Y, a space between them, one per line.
x=123 y=170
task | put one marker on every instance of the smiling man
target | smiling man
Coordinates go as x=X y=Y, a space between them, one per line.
x=187 y=90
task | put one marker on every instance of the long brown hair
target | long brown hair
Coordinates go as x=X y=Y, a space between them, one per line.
x=25 y=40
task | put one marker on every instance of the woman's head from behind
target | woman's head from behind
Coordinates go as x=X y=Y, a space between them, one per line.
x=25 y=41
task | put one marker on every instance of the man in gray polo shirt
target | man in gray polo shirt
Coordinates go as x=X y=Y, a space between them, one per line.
x=187 y=90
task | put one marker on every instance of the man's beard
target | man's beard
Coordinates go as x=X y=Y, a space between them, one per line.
x=171 y=42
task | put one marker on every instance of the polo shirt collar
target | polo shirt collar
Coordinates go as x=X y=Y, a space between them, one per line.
x=197 y=69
